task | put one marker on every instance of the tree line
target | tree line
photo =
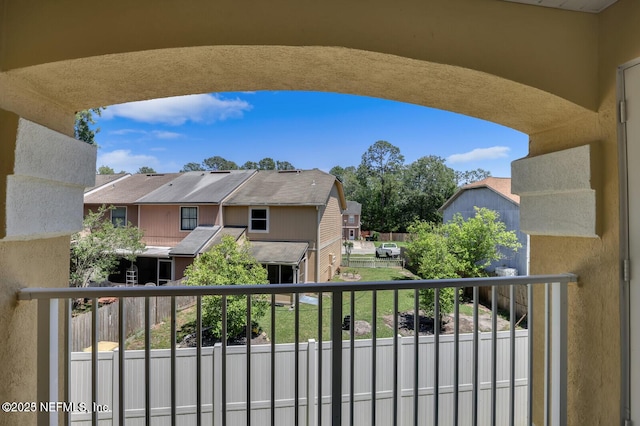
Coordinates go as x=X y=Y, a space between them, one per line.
x=393 y=194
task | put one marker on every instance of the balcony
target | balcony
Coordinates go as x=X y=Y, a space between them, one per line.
x=472 y=378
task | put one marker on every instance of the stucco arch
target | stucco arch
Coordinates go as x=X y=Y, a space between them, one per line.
x=75 y=84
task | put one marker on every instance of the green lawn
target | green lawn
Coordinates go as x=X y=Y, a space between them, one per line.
x=285 y=317
x=160 y=334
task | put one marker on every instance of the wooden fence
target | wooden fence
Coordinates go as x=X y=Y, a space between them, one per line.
x=108 y=319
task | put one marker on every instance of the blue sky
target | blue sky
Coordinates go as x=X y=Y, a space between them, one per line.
x=308 y=129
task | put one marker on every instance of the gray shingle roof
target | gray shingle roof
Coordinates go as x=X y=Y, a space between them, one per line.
x=353 y=207
x=129 y=189
x=195 y=241
x=280 y=253
x=104 y=180
x=272 y=187
x=197 y=187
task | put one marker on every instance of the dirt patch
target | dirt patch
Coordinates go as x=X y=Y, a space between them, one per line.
x=406 y=323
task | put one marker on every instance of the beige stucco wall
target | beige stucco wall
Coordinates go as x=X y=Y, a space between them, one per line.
x=545 y=72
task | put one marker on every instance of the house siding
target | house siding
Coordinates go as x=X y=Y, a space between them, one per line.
x=509 y=214
x=161 y=223
x=286 y=223
x=132 y=211
x=330 y=236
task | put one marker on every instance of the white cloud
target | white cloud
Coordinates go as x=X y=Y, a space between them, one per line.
x=121 y=132
x=206 y=108
x=493 y=153
x=123 y=159
x=162 y=134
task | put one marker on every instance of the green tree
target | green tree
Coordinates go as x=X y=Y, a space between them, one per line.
x=458 y=249
x=267 y=163
x=227 y=263
x=284 y=165
x=146 y=170
x=219 y=163
x=83 y=128
x=95 y=251
x=470 y=176
x=476 y=242
x=250 y=165
x=379 y=175
x=349 y=179
x=192 y=167
x=427 y=184
x=105 y=170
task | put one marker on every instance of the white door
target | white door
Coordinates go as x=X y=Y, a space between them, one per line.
x=631 y=127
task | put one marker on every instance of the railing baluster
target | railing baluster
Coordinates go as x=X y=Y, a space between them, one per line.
x=530 y=354
x=352 y=359
x=122 y=335
x=512 y=352
x=494 y=353
x=173 y=360
x=47 y=349
x=374 y=353
x=224 y=360
x=416 y=350
x=249 y=333
x=436 y=357
x=475 y=357
x=547 y=350
x=296 y=410
x=336 y=358
x=273 y=360
x=94 y=358
x=559 y=354
x=147 y=360
x=395 y=357
x=456 y=357
x=199 y=360
x=68 y=305
x=320 y=359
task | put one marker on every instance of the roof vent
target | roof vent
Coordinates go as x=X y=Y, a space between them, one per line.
x=297 y=171
x=220 y=172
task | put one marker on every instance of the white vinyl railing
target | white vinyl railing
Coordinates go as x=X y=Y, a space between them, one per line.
x=335 y=368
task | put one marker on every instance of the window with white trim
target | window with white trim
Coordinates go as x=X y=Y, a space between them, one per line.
x=352 y=219
x=188 y=218
x=119 y=216
x=259 y=219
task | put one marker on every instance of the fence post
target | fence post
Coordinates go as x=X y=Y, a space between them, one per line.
x=559 y=354
x=312 y=403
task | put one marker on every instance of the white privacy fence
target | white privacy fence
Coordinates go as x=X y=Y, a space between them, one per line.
x=212 y=396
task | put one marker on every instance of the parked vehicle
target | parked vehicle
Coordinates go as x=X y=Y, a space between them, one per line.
x=388 y=250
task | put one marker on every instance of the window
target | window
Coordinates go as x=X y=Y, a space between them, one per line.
x=259 y=220
x=119 y=216
x=188 y=218
x=352 y=219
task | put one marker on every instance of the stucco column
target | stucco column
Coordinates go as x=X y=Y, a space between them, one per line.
x=42 y=178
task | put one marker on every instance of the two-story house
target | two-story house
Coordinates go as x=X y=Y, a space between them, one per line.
x=351 y=221
x=293 y=220
x=285 y=215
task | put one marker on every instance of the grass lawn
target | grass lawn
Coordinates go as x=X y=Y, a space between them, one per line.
x=363 y=306
x=161 y=333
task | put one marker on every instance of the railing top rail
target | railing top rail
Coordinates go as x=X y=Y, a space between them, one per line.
x=229 y=290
